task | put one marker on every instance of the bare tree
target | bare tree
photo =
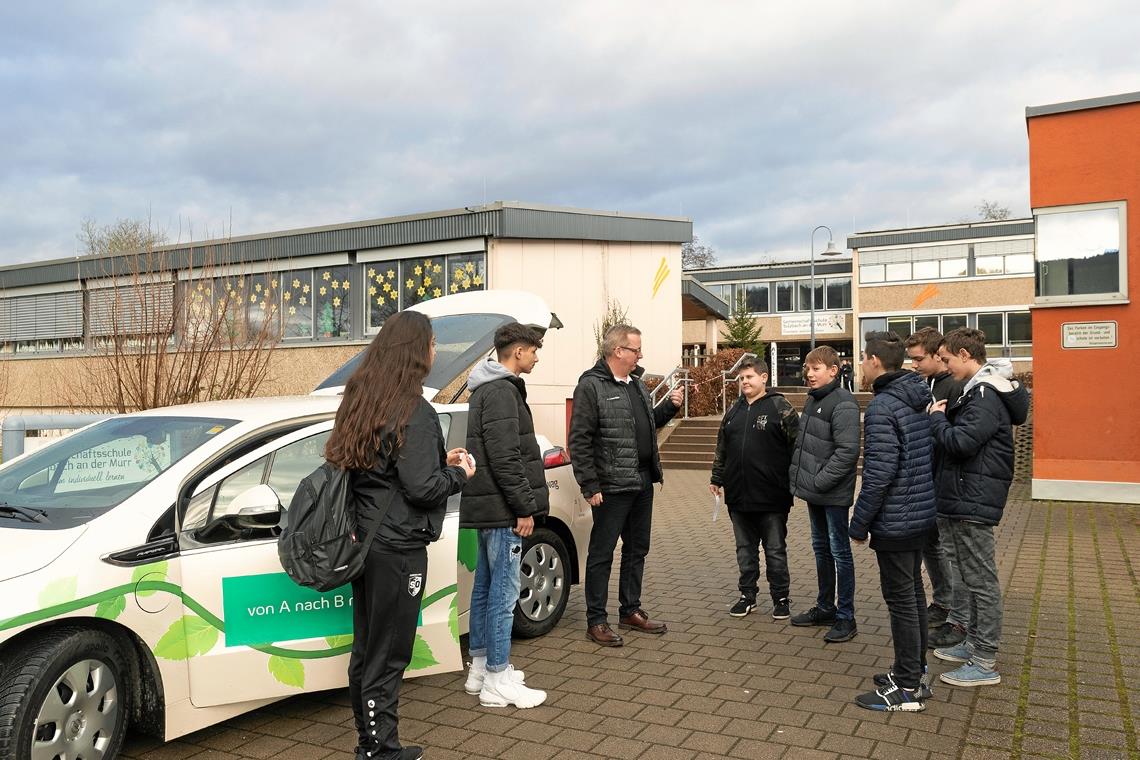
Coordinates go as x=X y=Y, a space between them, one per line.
x=695 y=254
x=157 y=341
x=616 y=314
x=992 y=211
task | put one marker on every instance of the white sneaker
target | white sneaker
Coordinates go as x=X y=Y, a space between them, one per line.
x=476 y=675
x=501 y=690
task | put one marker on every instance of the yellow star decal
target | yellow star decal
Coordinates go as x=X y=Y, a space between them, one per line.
x=336 y=302
x=287 y=295
x=387 y=288
x=437 y=292
x=296 y=283
x=273 y=284
x=391 y=274
x=469 y=267
x=257 y=287
x=478 y=280
x=454 y=288
x=435 y=268
x=344 y=284
x=418 y=270
x=372 y=290
x=326 y=276
x=410 y=283
x=427 y=281
x=371 y=272
x=335 y=285
x=420 y=292
x=323 y=290
x=305 y=289
x=292 y=310
x=302 y=300
x=380 y=300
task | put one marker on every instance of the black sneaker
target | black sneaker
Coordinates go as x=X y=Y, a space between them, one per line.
x=781 y=610
x=922 y=692
x=892 y=698
x=843 y=630
x=405 y=753
x=936 y=615
x=814 y=616
x=743 y=606
x=945 y=635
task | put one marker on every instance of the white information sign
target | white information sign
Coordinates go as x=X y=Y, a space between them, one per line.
x=825 y=322
x=1088 y=335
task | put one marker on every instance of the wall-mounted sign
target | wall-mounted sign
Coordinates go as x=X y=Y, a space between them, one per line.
x=825 y=322
x=1088 y=335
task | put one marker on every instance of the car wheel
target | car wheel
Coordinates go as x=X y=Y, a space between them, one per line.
x=65 y=695
x=545 y=584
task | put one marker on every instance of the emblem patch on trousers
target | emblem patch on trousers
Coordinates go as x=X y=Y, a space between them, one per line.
x=415 y=583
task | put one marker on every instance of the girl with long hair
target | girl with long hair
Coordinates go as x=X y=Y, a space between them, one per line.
x=388 y=436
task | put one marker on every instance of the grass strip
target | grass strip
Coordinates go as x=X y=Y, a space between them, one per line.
x=1071 y=648
x=1110 y=624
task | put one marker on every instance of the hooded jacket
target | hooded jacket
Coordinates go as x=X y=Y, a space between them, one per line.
x=975 y=443
x=603 y=445
x=827 y=451
x=753 y=450
x=943 y=387
x=896 y=501
x=509 y=480
x=422 y=481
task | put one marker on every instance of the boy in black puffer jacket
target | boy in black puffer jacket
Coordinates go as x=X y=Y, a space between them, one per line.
x=974 y=436
x=896 y=506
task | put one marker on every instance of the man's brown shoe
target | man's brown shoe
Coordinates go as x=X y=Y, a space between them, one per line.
x=639 y=621
x=603 y=635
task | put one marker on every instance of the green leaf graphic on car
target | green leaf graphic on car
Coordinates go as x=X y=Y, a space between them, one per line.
x=453 y=618
x=111 y=608
x=288 y=671
x=155 y=571
x=58 y=591
x=468 y=548
x=421 y=655
x=335 y=642
x=188 y=636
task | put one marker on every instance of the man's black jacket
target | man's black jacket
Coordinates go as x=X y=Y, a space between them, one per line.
x=603 y=445
x=510 y=480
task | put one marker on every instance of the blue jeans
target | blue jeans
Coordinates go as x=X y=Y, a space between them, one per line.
x=494 y=596
x=833 y=562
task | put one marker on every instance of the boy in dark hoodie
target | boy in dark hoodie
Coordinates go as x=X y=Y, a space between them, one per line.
x=974 y=437
x=750 y=470
x=896 y=506
x=949 y=628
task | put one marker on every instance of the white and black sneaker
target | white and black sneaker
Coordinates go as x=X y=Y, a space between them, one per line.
x=922 y=692
x=743 y=606
x=781 y=610
x=892 y=698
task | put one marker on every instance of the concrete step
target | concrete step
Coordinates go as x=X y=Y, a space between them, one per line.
x=677 y=446
x=685 y=465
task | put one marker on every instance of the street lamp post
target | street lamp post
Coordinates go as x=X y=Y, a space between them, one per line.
x=831 y=251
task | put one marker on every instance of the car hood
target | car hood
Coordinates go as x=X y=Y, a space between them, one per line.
x=24 y=551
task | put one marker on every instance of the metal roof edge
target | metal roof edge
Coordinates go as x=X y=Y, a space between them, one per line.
x=947 y=234
x=696 y=291
x=1082 y=105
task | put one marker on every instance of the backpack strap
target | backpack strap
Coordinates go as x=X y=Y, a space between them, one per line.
x=376 y=526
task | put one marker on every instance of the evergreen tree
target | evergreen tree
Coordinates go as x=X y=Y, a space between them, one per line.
x=741 y=330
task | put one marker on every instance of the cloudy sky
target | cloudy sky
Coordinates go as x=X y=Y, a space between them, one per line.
x=758 y=120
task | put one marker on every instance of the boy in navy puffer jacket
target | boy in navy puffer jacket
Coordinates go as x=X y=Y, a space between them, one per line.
x=896 y=506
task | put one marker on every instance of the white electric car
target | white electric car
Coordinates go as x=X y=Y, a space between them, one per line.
x=139 y=578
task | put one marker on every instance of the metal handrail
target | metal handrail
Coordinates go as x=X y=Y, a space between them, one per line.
x=666 y=386
x=730 y=373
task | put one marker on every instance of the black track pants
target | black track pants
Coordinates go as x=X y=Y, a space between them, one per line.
x=385 y=607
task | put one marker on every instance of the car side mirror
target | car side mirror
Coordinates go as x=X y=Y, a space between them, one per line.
x=256 y=507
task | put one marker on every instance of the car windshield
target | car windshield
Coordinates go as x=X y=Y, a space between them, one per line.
x=91 y=471
x=460 y=339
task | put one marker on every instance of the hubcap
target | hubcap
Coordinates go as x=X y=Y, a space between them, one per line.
x=80 y=715
x=543 y=582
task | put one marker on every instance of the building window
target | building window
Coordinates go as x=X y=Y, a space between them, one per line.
x=1020 y=328
x=926 y=270
x=333 y=302
x=381 y=292
x=805 y=300
x=952 y=268
x=1081 y=253
x=993 y=326
x=466 y=272
x=871 y=273
x=985 y=265
x=928 y=320
x=930 y=262
x=839 y=292
x=900 y=326
x=1022 y=263
x=756 y=295
x=898 y=272
x=953 y=322
x=297 y=304
x=785 y=296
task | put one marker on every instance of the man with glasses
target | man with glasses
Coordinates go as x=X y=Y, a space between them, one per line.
x=945 y=613
x=613 y=449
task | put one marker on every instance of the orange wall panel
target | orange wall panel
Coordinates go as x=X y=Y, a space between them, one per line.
x=1087 y=401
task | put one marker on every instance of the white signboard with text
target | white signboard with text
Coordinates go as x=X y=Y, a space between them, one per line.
x=1088 y=335
x=825 y=322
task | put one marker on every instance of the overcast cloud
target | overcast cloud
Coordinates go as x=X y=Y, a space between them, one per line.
x=757 y=120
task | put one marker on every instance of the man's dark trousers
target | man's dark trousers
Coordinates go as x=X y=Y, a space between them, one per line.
x=628 y=515
x=770 y=529
x=900 y=576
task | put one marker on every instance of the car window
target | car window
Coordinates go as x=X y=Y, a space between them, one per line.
x=88 y=472
x=241 y=481
x=293 y=462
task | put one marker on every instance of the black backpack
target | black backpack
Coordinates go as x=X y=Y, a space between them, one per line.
x=318 y=545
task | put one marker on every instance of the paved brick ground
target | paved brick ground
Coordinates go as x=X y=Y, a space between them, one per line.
x=718 y=687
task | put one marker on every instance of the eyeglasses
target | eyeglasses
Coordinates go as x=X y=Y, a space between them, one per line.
x=631 y=348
